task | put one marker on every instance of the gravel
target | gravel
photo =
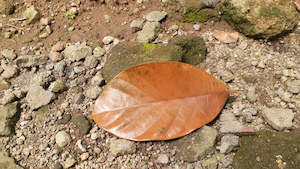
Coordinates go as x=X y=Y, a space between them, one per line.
x=264 y=73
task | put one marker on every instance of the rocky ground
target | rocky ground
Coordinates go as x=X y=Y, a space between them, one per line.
x=53 y=56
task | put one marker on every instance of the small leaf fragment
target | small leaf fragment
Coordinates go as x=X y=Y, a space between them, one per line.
x=226 y=37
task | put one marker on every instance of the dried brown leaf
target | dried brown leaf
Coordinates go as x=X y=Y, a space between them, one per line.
x=159 y=101
x=226 y=37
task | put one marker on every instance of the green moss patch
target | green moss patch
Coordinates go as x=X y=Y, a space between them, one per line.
x=236 y=19
x=128 y=54
x=194 y=49
x=260 y=19
x=269 y=11
x=262 y=150
x=148 y=47
x=201 y=15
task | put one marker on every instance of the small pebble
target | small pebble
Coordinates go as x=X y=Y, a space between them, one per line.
x=196 y=27
x=107 y=40
x=62 y=138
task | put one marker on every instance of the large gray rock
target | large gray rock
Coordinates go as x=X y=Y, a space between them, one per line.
x=32 y=15
x=6 y=7
x=7 y=162
x=77 y=52
x=228 y=143
x=122 y=147
x=9 y=115
x=279 y=119
x=156 y=16
x=38 y=97
x=127 y=54
x=260 y=18
x=149 y=32
x=196 y=145
x=31 y=60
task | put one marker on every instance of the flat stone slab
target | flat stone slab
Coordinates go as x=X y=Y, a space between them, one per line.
x=38 y=96
x=156 y=16
x=279 y=119
x=31 y=60
x=121 y=147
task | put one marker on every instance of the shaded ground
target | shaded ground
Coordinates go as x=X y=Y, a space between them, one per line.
x=266 y=66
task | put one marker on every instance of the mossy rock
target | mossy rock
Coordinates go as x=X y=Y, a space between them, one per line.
x=260 y=151
x=7 y=162
x=260 y=18
x=194 y=49
x=9 y=115
x=194 y=10
x=128 y=54
x=201 y=15
x=183 y=6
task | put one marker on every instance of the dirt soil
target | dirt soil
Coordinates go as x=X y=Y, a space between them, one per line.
x=251 y=63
